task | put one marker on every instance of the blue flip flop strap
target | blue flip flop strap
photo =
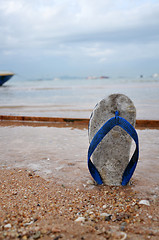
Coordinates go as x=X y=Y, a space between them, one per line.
x=111 y=123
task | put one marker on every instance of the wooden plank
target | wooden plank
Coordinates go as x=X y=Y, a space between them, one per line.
x=43 y=119
x=147 y=124
x=139 y=123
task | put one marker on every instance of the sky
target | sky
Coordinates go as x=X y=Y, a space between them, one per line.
x=53 y=38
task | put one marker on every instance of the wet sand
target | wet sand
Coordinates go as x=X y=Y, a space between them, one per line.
x=46 y=187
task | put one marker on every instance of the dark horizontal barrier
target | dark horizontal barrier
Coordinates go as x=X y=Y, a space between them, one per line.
x=147 y=124
x=139 y=123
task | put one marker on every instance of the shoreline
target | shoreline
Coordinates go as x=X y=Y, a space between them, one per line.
x=60 y=150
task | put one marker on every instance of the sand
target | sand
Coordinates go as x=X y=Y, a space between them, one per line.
x=33 y=208
x=37 y=204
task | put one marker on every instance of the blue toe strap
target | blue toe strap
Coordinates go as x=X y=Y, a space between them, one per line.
x=123 y=123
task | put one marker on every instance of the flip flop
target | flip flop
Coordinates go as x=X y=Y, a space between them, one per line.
x=110 y=153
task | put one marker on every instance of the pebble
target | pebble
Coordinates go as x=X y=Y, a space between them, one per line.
x=90 y=182
x=30 y=174
x=119 y=235
x=29 y=223
x=24 y=237
x=15 y=193
x=106 y=216
x=7 y=226
x=145 y=202
x=80 y=219
x=37 y=235
x=123 y=226
x=90 y=208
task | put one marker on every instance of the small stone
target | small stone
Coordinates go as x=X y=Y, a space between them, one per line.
x=29 y=223
x=119 y=235
x=90 y=182
x=106 y=216
x=7 y=226
x=55 y=230
x=78 y=214
x=80 y=219
x=30 y=174
x=58 y=237
x=37 y=235
x=13 y=235
x=122 y=194
x=90 y=212
x=145 y=202
x=14 y=193
x=123 y=226
x=24 y=237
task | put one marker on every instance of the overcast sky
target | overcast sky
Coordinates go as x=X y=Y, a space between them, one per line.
x=51 y=38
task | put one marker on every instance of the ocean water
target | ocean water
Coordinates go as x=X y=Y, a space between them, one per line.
x=76 y=97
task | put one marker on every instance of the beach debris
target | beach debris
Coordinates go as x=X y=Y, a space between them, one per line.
x=28 y=223
x=144 y=202
x=111 y=155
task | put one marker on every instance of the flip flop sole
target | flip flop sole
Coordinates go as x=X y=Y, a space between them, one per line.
x=112 y=155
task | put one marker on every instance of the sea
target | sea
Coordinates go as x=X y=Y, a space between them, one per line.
x=75 y=97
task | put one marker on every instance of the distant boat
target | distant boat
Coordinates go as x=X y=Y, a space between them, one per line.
x=5 y=76
x=93 y=77
x=155 y=75
x=104 y=77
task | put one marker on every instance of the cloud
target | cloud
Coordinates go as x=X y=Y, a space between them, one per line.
x=101 y=30
x=33 y=20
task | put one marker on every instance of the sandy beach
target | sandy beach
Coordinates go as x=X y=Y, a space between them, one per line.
x=47 y=193
x=65 y=67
